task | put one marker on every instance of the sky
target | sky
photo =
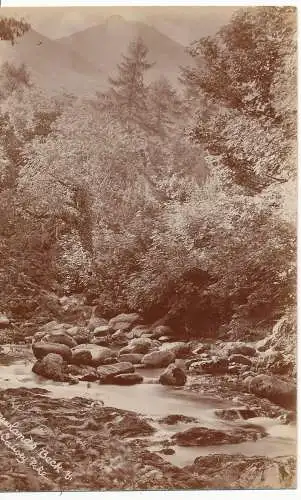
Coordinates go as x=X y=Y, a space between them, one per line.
x=181 y=23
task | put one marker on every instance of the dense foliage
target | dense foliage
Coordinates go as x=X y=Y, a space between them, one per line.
x=147 y=200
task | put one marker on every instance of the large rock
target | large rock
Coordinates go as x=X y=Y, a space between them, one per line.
x=158 y=359
x=240 y=359
x=203 y=436
x=131 y=358
x=279 y=348
x=59 y=337
x=139 y=331
x=173 y=375
x=127 y=379
x=240 y=472
x=106 y=374
x=180 y=349
x=237 y=413
x=97 y=355
x=101 y=331
x=139 y=346
x=41 y=349
x=273 y=388
x=213 y=366
x=119 y=338
x=125 y=321
x=95 y=322
x=80 y=334
x=4 y=321
x=239 y=348
x=51 y=367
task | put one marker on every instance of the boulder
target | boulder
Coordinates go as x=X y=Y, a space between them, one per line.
x=119 y=338
x=241 y=348
x=140 y=330
x=131 y=425
x=240 y=472
x=176 y=419
x=158 y=359
x=127 y=379
x=51 y=326
x=97 y=355
x=160 y=331
x=139 y=346
x=106 y=374
x=4 y=321
x=102 y=341
x=273 y=388
x=180 y=349
x=124 y=322
x=51 y=367
x=80 y=334
x=213 y=366
x=203 y=436
x=41 y=349
x=95 y=322
x=237 y=413
x=173 y=375
x=84 y=373
x=131 y=358
x=101 y=331
x=201 y=349
x=240 y=359
x=59 y=337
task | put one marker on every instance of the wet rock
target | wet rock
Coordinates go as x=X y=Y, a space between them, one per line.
x=179 y=349
x=201 y=349
x=139 y=331
x=51 y=367
x=101 y=341
x=173 y=375
x=120 y=338
x=124 y=321
x=237 y=413
x=241 y=348
x=161 y=330
x=240 y=359
x=95 y=355
x=176 y=419
x=158 y=359
x=240 y=472
x=41 y=349
x=95 y=322
x=127 y=379
x=138 y=346
x=4 y=321
x=131 y=358
x=80 y=334
x=132 y=425
x=213 y=366
x=106 y=374
x=59 y=337
x=167 y=451
x=101 y=331
x=202 y=436
x=273 y=388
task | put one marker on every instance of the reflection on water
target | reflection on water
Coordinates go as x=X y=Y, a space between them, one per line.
x=155 y=401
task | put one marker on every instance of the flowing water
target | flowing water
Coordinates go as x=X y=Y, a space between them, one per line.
x=154 y=400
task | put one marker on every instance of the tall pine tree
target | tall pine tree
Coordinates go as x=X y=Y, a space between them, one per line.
x=128 y=92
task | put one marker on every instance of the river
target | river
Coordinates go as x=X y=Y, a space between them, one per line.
x=154 y=401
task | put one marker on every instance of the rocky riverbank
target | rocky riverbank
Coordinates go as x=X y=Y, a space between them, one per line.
x=109 y=448
x=81 y=445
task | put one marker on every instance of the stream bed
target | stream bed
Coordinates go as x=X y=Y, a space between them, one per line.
x=156 y=401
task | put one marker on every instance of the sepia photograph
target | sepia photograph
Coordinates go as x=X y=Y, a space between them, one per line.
x=148 y=248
